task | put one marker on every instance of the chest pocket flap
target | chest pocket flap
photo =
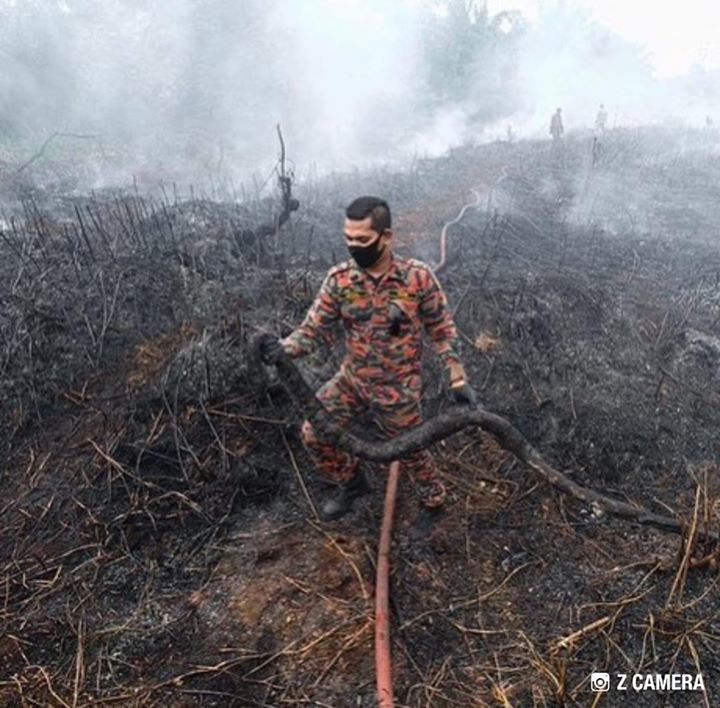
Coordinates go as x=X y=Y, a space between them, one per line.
x=356 y=306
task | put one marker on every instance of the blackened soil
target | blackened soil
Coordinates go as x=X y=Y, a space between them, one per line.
x=159 y=541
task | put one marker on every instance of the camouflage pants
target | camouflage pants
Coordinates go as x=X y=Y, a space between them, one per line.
x=349 y=401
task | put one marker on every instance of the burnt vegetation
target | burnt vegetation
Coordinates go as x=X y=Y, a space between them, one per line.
x=160 y=542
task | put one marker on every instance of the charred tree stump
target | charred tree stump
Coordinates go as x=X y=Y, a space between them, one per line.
x=264 y=238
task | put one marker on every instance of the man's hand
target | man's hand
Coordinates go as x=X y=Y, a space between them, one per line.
x=464 y=395
x=271 y=351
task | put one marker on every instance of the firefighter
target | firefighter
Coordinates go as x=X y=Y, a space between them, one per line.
x=601 y=120
x=383 y=303
x=556 y=126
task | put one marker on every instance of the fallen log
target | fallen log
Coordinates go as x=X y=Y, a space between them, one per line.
x=446 y=424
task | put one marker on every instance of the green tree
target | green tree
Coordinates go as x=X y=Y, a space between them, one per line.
x=465 y=48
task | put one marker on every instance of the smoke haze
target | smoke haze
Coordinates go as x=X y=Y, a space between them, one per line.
x=196 y=87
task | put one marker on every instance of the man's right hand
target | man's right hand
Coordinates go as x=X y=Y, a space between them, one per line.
x=271 y=351
x=464 y=395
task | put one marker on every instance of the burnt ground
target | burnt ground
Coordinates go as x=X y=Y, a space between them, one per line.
x=160 y=545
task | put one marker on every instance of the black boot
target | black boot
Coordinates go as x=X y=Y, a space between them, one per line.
x=342 y=500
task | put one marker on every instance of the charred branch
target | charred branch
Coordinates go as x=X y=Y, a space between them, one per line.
x=446 y=424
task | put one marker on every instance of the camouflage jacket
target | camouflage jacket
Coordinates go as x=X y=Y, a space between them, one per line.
x=383 y=322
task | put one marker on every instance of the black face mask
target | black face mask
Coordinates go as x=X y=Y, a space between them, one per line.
x=367 y=256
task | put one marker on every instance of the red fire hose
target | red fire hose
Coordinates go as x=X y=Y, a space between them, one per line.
x=383 y=660
x=383 y=657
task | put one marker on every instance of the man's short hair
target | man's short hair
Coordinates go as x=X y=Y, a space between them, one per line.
x=374 y=207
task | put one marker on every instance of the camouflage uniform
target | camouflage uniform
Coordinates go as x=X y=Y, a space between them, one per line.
x=381 y=372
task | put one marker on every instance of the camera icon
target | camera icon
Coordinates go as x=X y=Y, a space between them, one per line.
x=599 y=682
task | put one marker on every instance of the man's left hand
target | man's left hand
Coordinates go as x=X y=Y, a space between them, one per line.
x=271 y=351
x=464 y=395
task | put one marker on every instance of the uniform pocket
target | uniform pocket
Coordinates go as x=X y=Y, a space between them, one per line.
x=356 y=310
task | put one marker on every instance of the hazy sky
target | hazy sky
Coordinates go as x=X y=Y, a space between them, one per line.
x=675 y=35
x=197 y=86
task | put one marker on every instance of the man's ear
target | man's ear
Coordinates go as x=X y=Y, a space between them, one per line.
x=388 y=233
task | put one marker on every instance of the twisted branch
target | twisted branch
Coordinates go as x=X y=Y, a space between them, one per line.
x=447 y=424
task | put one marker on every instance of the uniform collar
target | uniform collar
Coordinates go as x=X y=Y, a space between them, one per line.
x=397 y=270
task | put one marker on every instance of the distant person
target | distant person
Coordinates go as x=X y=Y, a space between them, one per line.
x=708 y=122
x=601 y=119
x=600 y=126
x=556 y=126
